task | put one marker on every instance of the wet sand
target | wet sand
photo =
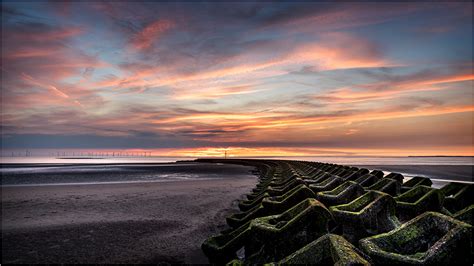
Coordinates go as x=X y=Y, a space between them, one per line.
x=151 y=222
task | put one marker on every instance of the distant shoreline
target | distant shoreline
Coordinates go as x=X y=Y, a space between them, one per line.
x=462 y=156
x=79 y=158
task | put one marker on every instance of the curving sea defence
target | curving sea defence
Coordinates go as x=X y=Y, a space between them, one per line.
x=319 y=213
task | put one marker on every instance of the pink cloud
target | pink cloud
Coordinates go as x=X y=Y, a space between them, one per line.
x=328 y=53
x=145 y=38
x=340 y=51
x=39 y=66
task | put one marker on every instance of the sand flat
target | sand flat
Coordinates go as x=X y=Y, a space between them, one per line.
x=116 y=223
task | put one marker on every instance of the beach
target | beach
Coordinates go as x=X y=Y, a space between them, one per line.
x=141 y=222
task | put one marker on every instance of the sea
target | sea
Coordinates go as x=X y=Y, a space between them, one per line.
x=345 y=160
x=50 y=170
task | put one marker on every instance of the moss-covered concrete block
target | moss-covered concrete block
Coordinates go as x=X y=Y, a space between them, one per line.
x=238 y=219
x=370 y=214
x=281 y=203
x=337 y=170
x=249 y=204
x=457 y=196
x=367 y=180
x=271 y=205
x=429 y=239
x=328 y=184
x=354 y=175
x=274 y=237
x=377 y=173
x=466 y=215
x=222 y=248
x=276 y=191
x=235 y=262
x=283 y=181
x=416 y=181
x=387 y=185
x=275 y=227
x=321 y=178
x=396 y=176
x=343 y=193
x=418 y=200
x=256 y=192
x=329 y=249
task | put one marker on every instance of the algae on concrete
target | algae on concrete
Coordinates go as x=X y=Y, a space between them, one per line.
x=328 y=184
x=416 y=181
x=343 y=193
x=281 y=203
x=418 y=200
x=457 y=196
x=429 y=239
x=387 y=185
x=286 y=191
x=367 y=180
x=222 y=248
x=370 y=214
x=466 y=215
x=329 y=249
x=277 y=236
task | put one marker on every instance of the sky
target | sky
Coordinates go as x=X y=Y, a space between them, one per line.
x=256 y=79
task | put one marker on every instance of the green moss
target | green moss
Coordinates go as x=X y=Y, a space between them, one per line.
x=235 y=262
x=338 y=189
x=289 y=231
x=329 y=185
x=284 y=233
x=418 y=181
x=371 y=213
x=414 y=241
x=327 y=250
x=279 y=204
x=358 y=204
x=466 y=215
x=344 y=193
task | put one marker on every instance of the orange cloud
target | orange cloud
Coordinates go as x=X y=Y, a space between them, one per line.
x=391 y=89
x=329 y=53
x=281 y=120
x=214 y=92
x=333 y=52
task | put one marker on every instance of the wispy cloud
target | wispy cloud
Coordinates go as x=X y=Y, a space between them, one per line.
x=150 y=34
x=391 y=89
x=283 y=78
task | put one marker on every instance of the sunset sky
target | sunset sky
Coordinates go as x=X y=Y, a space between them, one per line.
x=255 y=78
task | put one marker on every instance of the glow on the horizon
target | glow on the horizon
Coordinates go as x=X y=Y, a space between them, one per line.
x=309 y=152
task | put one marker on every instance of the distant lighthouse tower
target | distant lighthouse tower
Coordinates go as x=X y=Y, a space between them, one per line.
x=225 y=154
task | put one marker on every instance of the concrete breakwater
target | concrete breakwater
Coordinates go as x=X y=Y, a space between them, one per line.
x=319 y=213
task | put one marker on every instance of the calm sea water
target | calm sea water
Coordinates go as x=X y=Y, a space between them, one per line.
x=345 y=160
x=20 y=171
